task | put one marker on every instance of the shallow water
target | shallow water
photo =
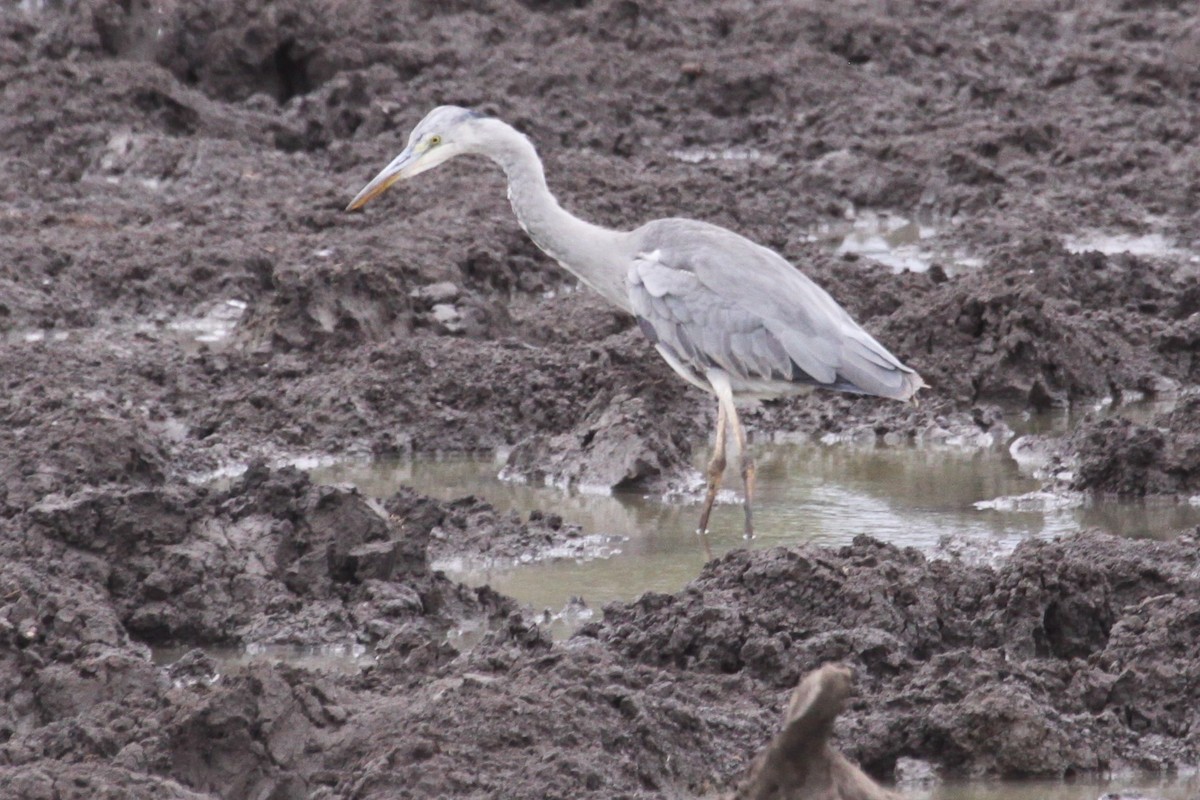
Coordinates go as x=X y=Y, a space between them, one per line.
x=918 y=496
x=893 y=240
x=901 y=243
x=925 y=497
x=1111 y=243
x=1062 y=421
x=346 y=658
x=211 y=324
x=699 y=155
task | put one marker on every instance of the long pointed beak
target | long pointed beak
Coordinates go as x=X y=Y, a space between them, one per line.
x=395 y=171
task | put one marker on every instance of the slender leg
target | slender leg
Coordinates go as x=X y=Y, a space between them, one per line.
x=716 y=468
x=747 y=463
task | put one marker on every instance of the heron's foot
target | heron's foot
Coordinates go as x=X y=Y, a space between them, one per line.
x=702 y=534
x=710 y=496
x=748 y=531
x=748 y=480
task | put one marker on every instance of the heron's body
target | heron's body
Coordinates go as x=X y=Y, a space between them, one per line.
x=710 y=300
x=730 y=316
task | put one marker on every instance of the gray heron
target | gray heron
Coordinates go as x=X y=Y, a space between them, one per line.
x=728 y=315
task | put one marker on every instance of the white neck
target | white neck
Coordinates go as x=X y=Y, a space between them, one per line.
x=593 y=254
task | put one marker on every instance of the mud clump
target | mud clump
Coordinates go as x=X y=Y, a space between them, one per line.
x=1119 y=456
x=1046 y=328
x=67 y=781
x=328 y=308
x=618 y=445
x=61 y=445
x=472 y=528
x=272 y=559
x=1004 y=671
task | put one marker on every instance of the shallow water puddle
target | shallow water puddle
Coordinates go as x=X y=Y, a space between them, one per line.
x=1062 y=421
x=211 y=324
x=699 y=155
x=1109 y=243
x=345 y=658
x=892 y=240
x=216 y=324
x=925 y=497
x=32 y=335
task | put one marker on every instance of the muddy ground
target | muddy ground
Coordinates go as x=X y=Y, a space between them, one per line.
x=166 y=169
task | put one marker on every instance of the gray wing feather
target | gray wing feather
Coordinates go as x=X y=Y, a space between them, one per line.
x=716 y=299
x=812 y=351
x=660 y=281
x=863 y=346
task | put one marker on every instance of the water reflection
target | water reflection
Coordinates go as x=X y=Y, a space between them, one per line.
x=346 y=658
x=827 y=495
x=895 y=241
x=211 y=324
x=1058 y=422
x=1109 y=243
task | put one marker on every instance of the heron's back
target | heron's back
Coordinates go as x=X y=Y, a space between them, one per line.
x=711 y=299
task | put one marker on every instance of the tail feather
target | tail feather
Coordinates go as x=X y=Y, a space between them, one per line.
x=873 y=370
x=913 y=383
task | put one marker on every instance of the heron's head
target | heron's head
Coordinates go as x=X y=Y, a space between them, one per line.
x=446 y=132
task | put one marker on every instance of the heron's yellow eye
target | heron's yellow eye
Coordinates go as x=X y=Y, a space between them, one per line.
x=435 y=140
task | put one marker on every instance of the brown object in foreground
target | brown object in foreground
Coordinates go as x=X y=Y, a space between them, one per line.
x=799 y=762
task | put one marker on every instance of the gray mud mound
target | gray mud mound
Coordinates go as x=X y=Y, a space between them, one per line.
x=328 y=307
x=273 y=559
x=1043 y=327
x=472 y=528
x=67 y=781
x=1119 y=456
x=52 y=449
x=619 y=445
x=1066 y=658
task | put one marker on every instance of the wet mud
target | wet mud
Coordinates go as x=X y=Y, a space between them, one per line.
x=1056 y=662
x=1159 y=456
x=167 y=168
